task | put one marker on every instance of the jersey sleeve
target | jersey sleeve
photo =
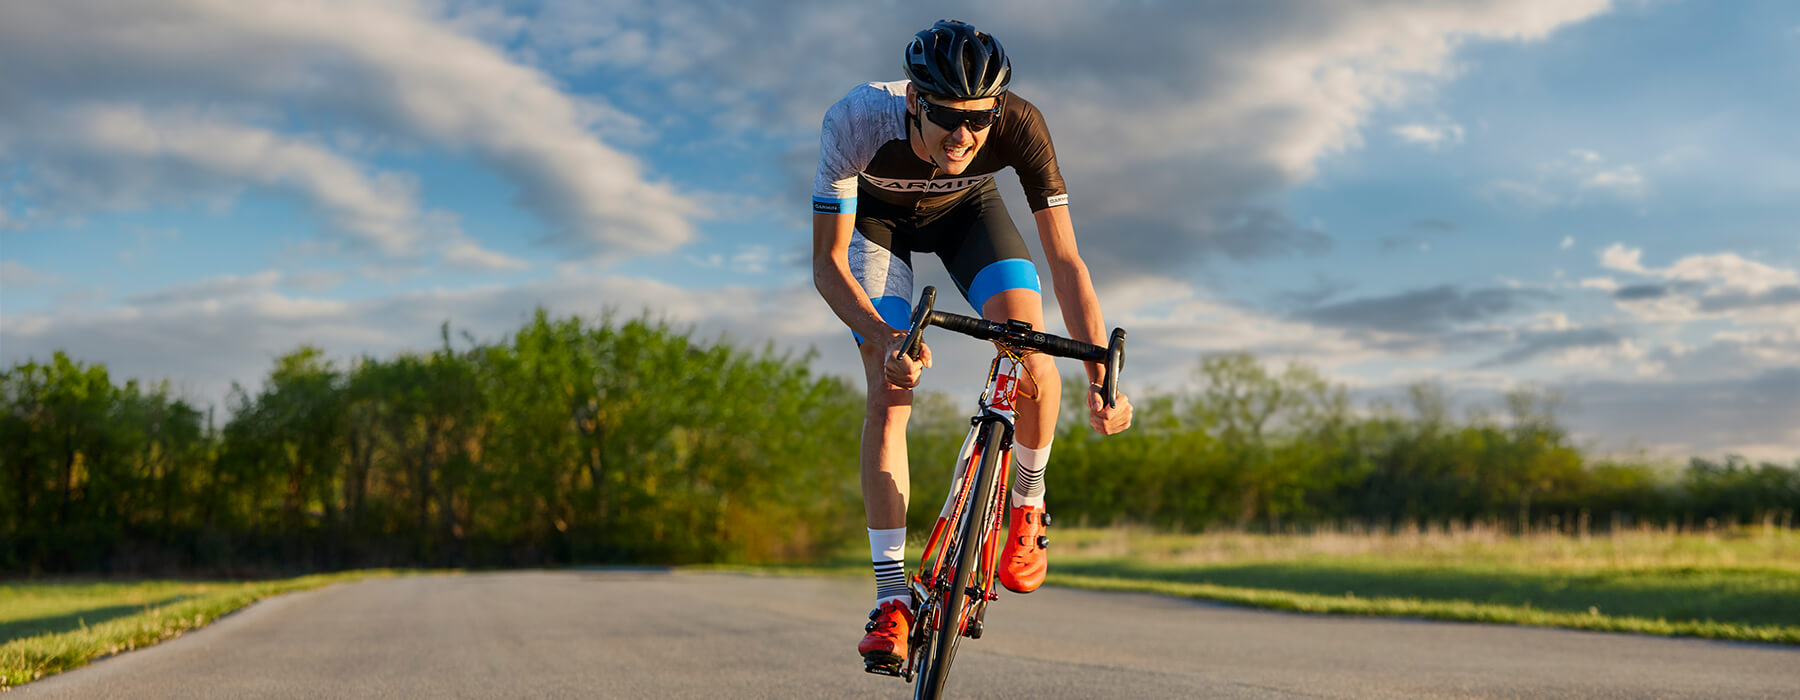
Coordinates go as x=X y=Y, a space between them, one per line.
x=834 y=189
x=1033 y=156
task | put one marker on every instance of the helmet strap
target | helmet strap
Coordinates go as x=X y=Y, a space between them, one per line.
x=914 y=126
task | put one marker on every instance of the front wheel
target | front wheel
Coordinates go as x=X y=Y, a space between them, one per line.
x=964 y=553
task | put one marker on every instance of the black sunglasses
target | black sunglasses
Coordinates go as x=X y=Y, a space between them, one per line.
x=951 y=119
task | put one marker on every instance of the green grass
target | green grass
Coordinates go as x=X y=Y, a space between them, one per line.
x=49 y=628
x=1441 y=609
x=1738 y=584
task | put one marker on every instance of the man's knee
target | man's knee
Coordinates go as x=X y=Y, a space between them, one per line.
x=1042 y=372
x=872 y=351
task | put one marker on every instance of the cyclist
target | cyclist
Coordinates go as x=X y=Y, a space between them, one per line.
x=907 y=166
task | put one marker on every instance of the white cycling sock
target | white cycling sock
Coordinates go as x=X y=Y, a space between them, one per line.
x=887 y=552
x=1028 y=474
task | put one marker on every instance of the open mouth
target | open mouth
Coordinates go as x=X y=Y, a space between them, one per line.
x=957 y=154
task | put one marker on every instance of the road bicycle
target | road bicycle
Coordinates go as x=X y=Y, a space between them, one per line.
x=956 y=575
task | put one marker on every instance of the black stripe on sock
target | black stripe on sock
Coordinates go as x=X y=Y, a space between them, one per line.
x=890 y=579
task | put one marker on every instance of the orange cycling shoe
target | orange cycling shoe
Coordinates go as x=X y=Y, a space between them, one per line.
x=1026 y=557
x=885 y=643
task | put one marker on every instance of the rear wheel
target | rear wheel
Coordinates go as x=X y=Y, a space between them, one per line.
x=963 y=552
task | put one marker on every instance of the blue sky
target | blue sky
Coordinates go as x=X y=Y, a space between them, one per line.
x=1593 y=197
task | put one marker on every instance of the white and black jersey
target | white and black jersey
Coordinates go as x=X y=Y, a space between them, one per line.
x=864 y=151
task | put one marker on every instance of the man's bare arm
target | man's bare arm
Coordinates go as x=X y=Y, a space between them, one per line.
x=831 y=275
x=1069 y=279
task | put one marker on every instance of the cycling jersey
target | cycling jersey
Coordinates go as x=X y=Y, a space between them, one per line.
x=864 y=150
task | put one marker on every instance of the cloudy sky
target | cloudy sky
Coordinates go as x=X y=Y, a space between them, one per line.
x=1602 y=198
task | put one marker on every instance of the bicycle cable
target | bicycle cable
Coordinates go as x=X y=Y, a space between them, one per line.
x=1019 y=358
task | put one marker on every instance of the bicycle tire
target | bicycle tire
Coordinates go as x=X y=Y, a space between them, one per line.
x=963 y=550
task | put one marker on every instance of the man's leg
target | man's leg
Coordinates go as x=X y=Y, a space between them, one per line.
x=880 y=262
x=884 y=475
x=1025 y=559
x=1039 y=400
x=885 y=488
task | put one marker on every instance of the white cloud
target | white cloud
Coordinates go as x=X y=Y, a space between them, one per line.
x=1551 y=321
x=1746 y=293
x=1730 y=271
x=752 y=259
x=468 y=255
x=1619 y=257
x=1566 y=180
x=1727 y=270
x=1600 y=356
x=749 y=259
x=1305 y=93
x=1567 y=242
x=15 y=275
x=143 y=150
x=393 y=71
x=1239 y=103
x=1623 y=180
x=216 y=289
x=1430 y=135
x=1173 y=325
x=1601 y=283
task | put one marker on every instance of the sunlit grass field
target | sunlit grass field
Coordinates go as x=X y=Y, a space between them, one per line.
x=1449 y=544
x=1725 y=583
x=47 y=628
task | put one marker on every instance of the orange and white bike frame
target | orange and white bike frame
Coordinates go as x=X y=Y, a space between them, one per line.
x=997 y=404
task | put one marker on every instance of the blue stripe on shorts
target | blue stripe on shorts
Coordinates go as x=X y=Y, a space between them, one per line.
x=999 y=276
x=897 y=311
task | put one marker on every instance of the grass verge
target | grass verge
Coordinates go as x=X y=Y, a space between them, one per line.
x=47 y=627
x=1737 y=584
x=1440 y=609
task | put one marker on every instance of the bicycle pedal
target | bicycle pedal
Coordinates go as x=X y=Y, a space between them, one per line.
x=882 y=668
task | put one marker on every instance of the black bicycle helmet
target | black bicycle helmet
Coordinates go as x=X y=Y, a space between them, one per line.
x=953 y=60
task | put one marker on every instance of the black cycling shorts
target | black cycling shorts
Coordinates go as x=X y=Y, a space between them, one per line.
x=975 y=238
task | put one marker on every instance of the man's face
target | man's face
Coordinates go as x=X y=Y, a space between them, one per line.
x=951 y=150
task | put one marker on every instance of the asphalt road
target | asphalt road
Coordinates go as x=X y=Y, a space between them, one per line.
x=622 y=634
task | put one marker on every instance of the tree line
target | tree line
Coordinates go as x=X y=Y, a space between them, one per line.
x=1264 y=450
x=568 y=442
x=604 y=441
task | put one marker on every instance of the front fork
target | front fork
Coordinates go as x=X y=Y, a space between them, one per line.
x=928 y=586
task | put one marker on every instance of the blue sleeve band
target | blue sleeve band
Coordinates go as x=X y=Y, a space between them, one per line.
x=997 y=277
x=834 y=206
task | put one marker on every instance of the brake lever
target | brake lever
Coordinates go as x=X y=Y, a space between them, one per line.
x=915 y=336
x=1115 y=362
